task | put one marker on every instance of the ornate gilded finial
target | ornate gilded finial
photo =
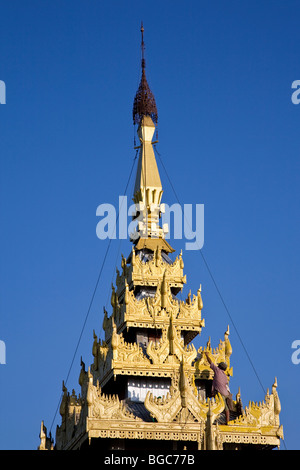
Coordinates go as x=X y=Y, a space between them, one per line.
x=163 y=291
x=144 y=101
x=181 y=260
x=200 y=302
x=126 y=296
x=82 y=374
x=113 y=298
x=133 y=257
x=172 y=335
x=95 y=344
x=228 y=348
x=143 y=47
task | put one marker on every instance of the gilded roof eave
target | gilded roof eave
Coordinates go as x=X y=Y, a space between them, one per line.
x=180 y=417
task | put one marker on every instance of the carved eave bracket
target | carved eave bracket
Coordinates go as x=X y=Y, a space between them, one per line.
x=181 y=404
x=72 y=414
x=257 y=424
x=136 y=272
x=102 y=406
x=154 y=312
x=265 y=413
x=46 y=442
x=171 y=349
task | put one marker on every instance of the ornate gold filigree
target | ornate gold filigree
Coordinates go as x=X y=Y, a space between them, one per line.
x=103 y=406
x=182 y=404
x=264 y=413
x=220 y=354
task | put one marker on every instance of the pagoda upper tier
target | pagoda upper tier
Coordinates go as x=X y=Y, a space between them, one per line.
x=145 y=301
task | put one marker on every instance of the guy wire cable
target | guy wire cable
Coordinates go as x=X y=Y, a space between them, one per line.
x=118 y=253
x=92 y=298
x=120 y=243
x=214 y=282
x=216 y=286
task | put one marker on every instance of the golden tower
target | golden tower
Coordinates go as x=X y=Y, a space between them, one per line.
x=148 y=388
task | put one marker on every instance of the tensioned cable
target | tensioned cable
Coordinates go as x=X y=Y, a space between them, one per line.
x=214 y=282
x=93 y=295
x=217 y=288
x=118 y=251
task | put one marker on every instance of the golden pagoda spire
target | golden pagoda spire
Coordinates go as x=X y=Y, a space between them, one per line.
x=147 y=382
x=148 y=188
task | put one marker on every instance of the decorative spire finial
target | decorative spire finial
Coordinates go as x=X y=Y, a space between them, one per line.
x=143 y=47
x=144 y=101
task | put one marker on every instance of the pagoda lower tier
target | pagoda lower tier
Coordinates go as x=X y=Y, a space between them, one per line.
x=180 y=420
x=148 y=386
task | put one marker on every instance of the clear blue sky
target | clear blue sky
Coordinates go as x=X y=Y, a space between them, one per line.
x=221 y=73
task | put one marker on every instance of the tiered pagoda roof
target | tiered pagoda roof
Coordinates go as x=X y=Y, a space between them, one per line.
x=147 y=386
